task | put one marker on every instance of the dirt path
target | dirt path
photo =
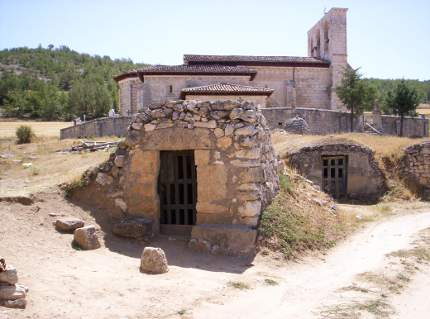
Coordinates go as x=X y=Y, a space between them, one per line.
x=307 y=288
x=106 y=283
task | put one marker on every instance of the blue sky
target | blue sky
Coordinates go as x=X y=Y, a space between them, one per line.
x=387 y=39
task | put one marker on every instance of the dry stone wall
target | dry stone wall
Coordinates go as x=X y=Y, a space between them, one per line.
x=364 y=181
x=235 y=163
x=414 y=168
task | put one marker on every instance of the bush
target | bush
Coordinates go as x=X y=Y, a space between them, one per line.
x=25 y=134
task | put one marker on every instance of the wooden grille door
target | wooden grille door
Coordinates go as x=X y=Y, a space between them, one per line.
x=334 y=174
x=177 y=190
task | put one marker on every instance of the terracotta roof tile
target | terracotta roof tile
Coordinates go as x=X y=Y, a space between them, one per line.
x=189 y=69
x=227 y=89
x=194 y=59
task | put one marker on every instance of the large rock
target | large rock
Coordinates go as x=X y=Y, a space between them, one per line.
x=18 y=303
x=133 y=228
x=153 y=261
x=86 y=237
x=9 y=275
x=68 y=225
x=297 y=125
x=12 y=292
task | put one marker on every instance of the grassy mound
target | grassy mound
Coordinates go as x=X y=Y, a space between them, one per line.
x=301 y=218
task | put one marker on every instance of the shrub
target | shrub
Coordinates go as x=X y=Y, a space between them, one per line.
x=25 y=134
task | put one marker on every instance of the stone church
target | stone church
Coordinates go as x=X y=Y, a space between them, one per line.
x=269 y=81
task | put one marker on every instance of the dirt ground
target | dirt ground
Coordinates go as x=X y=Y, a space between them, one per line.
x=381 y=271
x=106 y=283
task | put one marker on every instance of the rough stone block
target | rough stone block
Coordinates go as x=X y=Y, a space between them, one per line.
x=86 y=238
x=9 y=275
x=133 y=228
x=229 y=239
x=68 y=225
x=153 y=261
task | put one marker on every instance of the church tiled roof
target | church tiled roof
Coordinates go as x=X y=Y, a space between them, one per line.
x=195 y=59
x=188 y=70
x=226 y=89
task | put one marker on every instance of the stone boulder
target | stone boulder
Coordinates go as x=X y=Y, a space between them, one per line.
x=138 y=228
x=18 y=303
x=68 y=225
x=9 y=275
x=12 y=292
x=86 y=238
x=153 y=261
x=297 y=125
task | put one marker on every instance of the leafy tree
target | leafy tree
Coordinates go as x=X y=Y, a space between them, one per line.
x=91 y=97
x=355 y=94
x=38 y=82
x=402 y=100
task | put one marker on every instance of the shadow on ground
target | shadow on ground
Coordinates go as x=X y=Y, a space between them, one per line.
x=176 y=249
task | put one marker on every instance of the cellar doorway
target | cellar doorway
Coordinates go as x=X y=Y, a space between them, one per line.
x=177 y=187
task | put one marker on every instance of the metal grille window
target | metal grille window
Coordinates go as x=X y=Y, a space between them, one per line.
x=177 y=188
x=334 y=173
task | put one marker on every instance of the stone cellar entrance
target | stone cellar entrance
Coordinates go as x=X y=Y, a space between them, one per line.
x=177 y=188
x=334 y=172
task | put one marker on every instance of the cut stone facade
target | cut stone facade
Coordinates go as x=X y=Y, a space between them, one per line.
x=307 y=82
x=364 y=179
x=414 y=168
x=236 y=169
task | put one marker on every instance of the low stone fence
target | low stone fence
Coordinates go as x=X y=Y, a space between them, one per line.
x=414 y=168
x=106 y=126
x=412 y=126
x=322 y=121
x=319 y=121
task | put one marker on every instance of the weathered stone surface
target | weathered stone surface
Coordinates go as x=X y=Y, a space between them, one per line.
x=250 y=209
x=133 y=228
x=149 y=127
x=414 y=169
x=137 y=126
x=234 y=159
x=9 y=275
x=104 y=179
x=209 y=124
x=68 y=224
x=18 y=303
x=218 y=132
x=153 y=261
x=224 y=142
x=119 y=202
x=12 y=292
x=86 y=238
x=119 y=160
x=222 y=238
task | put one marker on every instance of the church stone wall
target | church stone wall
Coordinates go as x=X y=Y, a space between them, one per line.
x=312 y=85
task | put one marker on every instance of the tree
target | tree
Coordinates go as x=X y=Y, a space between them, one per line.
x=402 y=100
x=90 y=96
x=355 y=93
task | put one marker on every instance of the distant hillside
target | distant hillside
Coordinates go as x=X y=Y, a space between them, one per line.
x=383 y=86
x=58 y=83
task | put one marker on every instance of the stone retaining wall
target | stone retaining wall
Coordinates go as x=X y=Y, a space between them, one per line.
x=414 y=168
x=319 y=121
x=106 y=126
x=322 y=121
x=365 y=180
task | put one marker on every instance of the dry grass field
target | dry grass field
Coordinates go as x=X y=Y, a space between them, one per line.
x=50 y=129
x=384 y=146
